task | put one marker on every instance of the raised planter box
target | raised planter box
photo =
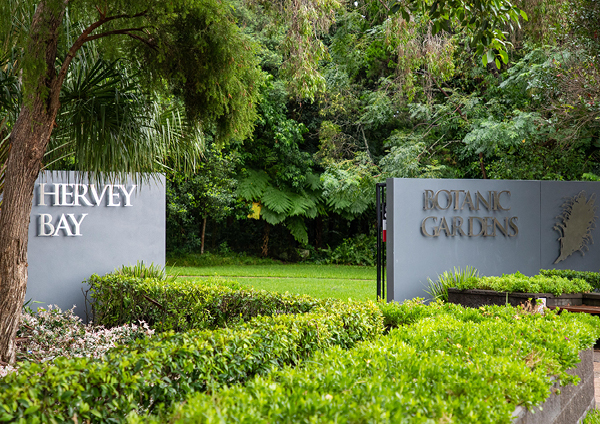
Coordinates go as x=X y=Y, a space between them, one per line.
x=475 y=298
x=573 y=402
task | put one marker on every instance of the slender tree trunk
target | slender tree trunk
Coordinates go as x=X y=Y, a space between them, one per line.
x=482 y=166
x=28 y=142
x=319 y=232
x=265 y=244
x=202 y=237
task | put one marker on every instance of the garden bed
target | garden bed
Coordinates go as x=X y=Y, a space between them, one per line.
x=475 y=298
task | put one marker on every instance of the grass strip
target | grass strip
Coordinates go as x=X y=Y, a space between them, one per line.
x=290 y=270
x=321 y=288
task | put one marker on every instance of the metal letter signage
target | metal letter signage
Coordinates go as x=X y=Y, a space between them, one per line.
x=69 y=195
x=79 y=228
x=459 y=200
x=495 y=226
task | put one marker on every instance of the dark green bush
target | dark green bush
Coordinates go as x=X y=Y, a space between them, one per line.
x=150 y=374
x=592 y=278
x=520 y=283
x=453 y=364
x=184 y=305
x=358 y=250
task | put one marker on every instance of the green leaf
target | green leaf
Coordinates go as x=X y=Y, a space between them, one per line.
x=271 y=216
x=297 y=229
x=252 y=187
x=277 y=200
x=523 y=15
x=503 y=55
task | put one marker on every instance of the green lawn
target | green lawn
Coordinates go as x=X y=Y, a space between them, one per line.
x=338 y=281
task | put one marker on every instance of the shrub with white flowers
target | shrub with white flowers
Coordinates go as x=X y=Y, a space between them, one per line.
x=49 y=333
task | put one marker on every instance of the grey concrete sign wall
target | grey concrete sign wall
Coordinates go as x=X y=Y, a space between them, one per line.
x=496 y=226
x=78 y=229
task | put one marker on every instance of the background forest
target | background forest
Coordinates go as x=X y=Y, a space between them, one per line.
x=383 y=97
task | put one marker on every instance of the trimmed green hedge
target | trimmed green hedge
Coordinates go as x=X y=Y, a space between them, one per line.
x=592 y=278
x=520 y=283
x=151 y=374
x=184 y=305
x=453 y=364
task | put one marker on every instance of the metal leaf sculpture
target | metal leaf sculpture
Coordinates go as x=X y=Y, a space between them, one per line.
x=577 y=222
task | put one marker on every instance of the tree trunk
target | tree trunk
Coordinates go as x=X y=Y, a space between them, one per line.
x=319 y=232
x=265 y=244
x=202 y=237
x=28 y=142
x=482 y=166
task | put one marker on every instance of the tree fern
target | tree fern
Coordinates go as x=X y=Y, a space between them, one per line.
x=252 y=187
x=271 y=216
x=277 y=200
x=297 y=229
x=301 y=203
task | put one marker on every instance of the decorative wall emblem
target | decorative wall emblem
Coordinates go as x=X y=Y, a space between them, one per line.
x=576 y=224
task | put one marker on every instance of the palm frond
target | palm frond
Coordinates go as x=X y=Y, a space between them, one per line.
x=110 y=129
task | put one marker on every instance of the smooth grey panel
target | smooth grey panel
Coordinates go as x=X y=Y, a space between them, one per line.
x=412 y=258
x=110 y=237
x=554 y=195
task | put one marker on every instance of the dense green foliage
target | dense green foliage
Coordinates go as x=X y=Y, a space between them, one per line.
x=520 y=283
x=184 y=305
x=359 y=250
x=422 y=371
x=592 y=278
x=150 y=374
x=408 y=98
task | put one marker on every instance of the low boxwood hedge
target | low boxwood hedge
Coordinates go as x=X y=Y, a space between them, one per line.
x=151 y=374
x=452 y=364
x=183 y=305
x=520 y=283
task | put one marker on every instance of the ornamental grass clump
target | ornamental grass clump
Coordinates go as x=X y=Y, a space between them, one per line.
x=438 y=290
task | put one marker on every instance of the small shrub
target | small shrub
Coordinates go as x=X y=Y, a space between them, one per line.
x=592 y=417
x=358 y=250
x=519 y=283
x=592 y=278
x=49 y=333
